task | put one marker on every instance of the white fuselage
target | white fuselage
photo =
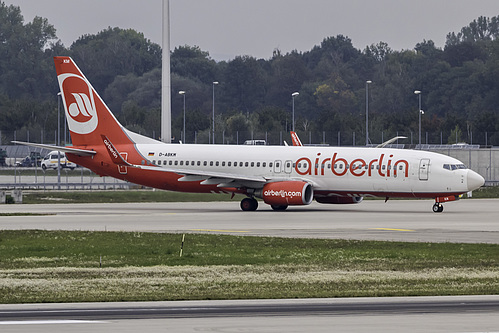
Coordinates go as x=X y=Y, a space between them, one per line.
x=342 y=170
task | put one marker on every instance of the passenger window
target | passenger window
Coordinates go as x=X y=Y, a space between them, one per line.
x=205 y=163
x=252 y=164
x=223 y=163
x=164 y=162
x=257 y=164
x=264 y=164
x=181 y=162
x=211 y=163
x=186 y=162
x=176 y=162
x=240 y=164
x=170 y=162
x=246 y=164
x=229 y=164
x=270 y=164
x=199 y=163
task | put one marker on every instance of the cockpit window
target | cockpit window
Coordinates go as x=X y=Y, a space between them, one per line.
x=454 y=166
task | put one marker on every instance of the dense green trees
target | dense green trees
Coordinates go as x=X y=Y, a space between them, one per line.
x=460 y=89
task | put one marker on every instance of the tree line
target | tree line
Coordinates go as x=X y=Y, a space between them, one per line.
x=458 y=84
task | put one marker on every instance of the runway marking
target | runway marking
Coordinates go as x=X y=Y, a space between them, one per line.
x=49 y=322
x=391 y=229
x=215 y=230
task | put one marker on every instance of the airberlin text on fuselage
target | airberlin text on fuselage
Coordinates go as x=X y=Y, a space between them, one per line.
x=384 y=167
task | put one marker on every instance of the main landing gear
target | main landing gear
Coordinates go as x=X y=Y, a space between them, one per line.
x=249 y=204
x=438 y=207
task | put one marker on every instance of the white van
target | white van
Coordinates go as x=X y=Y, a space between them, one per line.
x=255 y=142
x=50 y=161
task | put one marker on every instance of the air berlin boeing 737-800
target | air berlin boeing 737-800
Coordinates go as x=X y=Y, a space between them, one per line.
x=280 y=175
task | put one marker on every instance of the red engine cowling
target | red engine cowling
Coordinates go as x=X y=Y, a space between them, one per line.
x=287 y=193
x=339 y=200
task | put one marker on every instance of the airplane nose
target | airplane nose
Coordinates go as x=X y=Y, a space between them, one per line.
x=474 y=180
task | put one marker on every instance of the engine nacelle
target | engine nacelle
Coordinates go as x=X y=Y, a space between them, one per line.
x=339 y=200
x=287 y=193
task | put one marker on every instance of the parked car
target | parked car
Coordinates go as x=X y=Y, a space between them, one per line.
x=29 y=161
x=50 y=161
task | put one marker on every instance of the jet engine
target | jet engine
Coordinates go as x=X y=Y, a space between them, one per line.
x=339 y=200
x=287 y=193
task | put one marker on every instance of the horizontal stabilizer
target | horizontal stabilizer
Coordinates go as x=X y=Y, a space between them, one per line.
x=76 y=151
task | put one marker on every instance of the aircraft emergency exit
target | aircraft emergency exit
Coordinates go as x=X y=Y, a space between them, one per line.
x=279 y=175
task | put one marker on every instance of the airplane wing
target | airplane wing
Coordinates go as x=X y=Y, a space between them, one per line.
x=76 y=151
x=223 y=179
x=384 y=144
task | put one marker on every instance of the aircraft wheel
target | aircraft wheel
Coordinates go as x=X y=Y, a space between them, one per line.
x=279 y=207
x=249 y=204
x=438 y=208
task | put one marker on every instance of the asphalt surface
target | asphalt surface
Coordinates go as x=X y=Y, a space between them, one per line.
x=471 y=221
x=464 y=221
x=398 y=314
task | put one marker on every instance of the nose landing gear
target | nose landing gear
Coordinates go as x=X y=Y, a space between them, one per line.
x=438 y=207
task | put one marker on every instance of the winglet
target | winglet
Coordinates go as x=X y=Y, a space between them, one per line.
x=114 y=154
x=296 y=139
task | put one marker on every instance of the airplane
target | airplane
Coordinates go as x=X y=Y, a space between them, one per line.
x=281 y=176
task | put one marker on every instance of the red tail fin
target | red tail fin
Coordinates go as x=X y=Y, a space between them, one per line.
x=87 y=115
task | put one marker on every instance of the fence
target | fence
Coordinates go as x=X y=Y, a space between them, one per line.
x=338 y=138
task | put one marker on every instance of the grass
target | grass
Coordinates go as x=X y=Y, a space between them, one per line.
x=64 y=266
x=120 y=196
x=37 y=197
x=486 y=192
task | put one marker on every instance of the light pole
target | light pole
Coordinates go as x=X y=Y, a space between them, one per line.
x=367 y=111
x=420 y=112
x=181 y=92
x=213 y=85
x=59 y=96
x=293 y=95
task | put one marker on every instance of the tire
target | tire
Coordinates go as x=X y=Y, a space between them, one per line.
x=279 y=208
x=249 y=204
x=438 y=208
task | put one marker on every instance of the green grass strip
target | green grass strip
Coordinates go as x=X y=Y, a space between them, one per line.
x=64 y=266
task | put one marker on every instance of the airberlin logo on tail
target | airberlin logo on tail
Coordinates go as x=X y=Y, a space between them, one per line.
x=79 y=102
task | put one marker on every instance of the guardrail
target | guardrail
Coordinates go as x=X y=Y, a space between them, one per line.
x=65 y=186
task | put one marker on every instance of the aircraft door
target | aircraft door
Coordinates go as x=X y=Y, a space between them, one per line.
x=277 y=166
x=424 y=169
